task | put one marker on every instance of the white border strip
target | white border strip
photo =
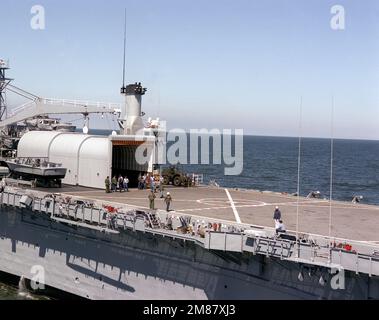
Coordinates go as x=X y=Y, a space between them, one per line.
x=236 y=215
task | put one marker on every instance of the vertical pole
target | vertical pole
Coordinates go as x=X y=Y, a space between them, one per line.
x=123 y=68
x=2 y=91
x=331 y=169
x=331 y=177
x=298 y=168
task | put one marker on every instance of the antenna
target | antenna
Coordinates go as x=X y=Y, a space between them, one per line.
x=123 y=68
x=298 y=168
x=4 y=82
x=331 y=168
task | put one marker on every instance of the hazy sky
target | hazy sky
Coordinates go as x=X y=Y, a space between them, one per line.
x=214 y=64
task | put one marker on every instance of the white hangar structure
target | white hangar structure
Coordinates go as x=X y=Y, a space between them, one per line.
x=89 y=159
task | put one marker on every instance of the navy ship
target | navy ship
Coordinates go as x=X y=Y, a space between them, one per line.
x=216 y=244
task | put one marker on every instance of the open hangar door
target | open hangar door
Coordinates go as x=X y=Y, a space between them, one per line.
x=124 y=161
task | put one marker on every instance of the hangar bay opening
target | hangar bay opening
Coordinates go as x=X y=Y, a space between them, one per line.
x=124 y=161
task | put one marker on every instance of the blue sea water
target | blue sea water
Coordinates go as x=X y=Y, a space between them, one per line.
x=271 y=163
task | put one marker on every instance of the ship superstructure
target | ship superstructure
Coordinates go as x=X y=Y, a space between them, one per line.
x=89 y=159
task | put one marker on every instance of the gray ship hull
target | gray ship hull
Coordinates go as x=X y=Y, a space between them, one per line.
x=137 y=265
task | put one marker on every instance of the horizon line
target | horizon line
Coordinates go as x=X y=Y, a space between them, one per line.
x=276 y=136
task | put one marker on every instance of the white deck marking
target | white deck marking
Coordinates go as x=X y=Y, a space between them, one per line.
x=236 y=215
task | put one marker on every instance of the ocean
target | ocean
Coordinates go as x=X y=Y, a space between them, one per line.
x=271 y=163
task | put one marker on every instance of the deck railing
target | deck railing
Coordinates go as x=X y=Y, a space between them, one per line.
x=310 y=249
x=66 y=102
x=86 y=103
x=36 y=162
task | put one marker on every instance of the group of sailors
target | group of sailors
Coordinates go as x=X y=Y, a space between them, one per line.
x=197 y=227
x=149 y=180
x=121 y=184
x=317 y=195
x=167 y=200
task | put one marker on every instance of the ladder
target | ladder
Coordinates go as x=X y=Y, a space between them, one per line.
x=154 y=220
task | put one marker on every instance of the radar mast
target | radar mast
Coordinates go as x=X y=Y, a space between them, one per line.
x=4 y=81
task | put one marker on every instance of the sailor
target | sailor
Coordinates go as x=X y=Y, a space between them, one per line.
x=277 y=216
x=281 y=228
x=139 y=182
x=152 y=183
x=151 y=199
x=111 y=220
x=120 y=183
x=161 y=187
x=168 y=200
x=169 y=223
x=126 y=183
x=314 y=194
x=114 y=183
x=107 y=185
x=356 y=199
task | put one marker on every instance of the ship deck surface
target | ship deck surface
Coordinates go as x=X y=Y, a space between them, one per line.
x=349 y=221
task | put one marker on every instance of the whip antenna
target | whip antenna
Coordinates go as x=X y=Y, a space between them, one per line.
x=331 y=167
x=123 y=68
x=298 y=166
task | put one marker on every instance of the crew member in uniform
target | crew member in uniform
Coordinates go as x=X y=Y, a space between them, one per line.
x=168 y=200
x=151 y=199
x=114 y=184
x=161 y=187
x=277 y=217
x=107 y=185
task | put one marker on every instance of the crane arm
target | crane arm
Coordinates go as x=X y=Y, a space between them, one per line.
x=42 y=107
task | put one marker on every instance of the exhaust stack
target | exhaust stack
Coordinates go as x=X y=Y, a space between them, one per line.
x=131 y=114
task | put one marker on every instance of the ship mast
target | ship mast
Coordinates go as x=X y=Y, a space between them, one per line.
x=131 y=115
x=123 y=88
x=4 y=81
